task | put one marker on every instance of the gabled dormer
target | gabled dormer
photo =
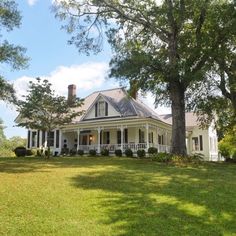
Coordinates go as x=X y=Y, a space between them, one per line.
x=103 y=107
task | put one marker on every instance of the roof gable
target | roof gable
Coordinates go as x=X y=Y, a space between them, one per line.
x=112 y=109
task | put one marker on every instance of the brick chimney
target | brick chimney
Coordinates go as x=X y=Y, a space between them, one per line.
x=133 y=90
x=71 y=94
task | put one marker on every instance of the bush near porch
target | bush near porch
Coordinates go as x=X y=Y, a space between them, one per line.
x=115 y=196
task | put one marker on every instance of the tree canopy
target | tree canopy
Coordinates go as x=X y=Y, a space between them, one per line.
x=43 y=110
x=10 y=54
x=166 y=46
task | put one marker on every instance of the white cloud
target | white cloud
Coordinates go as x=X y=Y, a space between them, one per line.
x=32 y=2
x=86 y=77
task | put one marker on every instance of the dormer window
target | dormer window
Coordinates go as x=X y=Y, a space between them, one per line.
x=101 y=109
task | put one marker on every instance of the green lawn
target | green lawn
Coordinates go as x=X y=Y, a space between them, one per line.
x=115 y=196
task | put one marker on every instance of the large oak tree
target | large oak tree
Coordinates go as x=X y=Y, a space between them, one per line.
x=164 y=46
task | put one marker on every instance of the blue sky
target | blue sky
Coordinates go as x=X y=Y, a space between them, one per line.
x=52 y=58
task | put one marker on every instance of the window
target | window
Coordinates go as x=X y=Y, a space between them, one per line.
x=34 y=137
x=195 y=146
x=150 y=137
x=51 y=139
x=161 y=139
x=101 y=109
x=125 y=136
x=141 y=136
x=106 y=137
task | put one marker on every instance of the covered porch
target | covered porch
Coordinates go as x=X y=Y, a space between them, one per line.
x=130 y=136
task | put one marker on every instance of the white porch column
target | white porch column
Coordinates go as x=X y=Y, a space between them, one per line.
x=30 y=143
x=60 y=139
x=78 y=134
x=46 y=139
x=166 y=141
x=147 y=136
x=40 y=138
x=122 y=137
x=54 y=139
x=99 y=140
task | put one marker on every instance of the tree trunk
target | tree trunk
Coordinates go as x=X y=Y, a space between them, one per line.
x=177 y=96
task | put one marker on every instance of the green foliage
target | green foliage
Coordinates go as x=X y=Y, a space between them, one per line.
x=166 y=47
x=80 y=152
x=65 y=151
x=118 y=153
x=128 y=152
x=43 y=110
x=73 y=151
x=152 y=150
x=105 y=152
x=227 y=145
x=7 y=146
x=10 y=54
x=161 y=157
x=20 y=151
x=134 y=197
x=92 y=153
x=141 y=153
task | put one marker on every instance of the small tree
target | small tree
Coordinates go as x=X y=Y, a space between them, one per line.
x=43 y=110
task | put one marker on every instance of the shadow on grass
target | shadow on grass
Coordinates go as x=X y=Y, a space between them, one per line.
x=153 y=199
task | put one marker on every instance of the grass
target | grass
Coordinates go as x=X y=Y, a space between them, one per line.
x=115 y=196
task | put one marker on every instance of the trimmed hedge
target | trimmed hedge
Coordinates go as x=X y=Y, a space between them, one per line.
x=105 y=152
x=129 y=152
x=20 y=151
x=92 y=152
x=80 y=152
x=118 y=153
x=152 y=150
x=141 y=153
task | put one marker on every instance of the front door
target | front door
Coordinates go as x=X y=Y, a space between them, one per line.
x=84 y=140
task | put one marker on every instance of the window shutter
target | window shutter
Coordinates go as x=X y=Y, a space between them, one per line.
x=96 y=110
x=118 y=137
x=126 y=136
x=139 y=135
x=201 y=142
x=28 y=145
x=106 y=109
x=38 y=139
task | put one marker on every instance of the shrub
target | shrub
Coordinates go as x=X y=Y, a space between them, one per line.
x=73 y=152
x=152 y=150
x=80 y=152
x=162 y=157
x=40 y=152
x=141 y=153
x=92 y=152
x=31 y=152
x=118 y=153
x=64 y=151
x=105 y=152
x=20 y=151
x=129 y=152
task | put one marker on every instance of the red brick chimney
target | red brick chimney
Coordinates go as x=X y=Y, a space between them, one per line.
x=71 y=93
x=133 y=90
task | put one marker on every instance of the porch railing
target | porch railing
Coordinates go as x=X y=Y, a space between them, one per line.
x=133 y=146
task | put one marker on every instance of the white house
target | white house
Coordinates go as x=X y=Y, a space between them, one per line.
x=114 y=120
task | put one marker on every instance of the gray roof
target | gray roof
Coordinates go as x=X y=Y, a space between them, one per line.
x=191 y=119
x=122 y=103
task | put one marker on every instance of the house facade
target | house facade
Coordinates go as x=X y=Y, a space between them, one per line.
x=113 y=120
